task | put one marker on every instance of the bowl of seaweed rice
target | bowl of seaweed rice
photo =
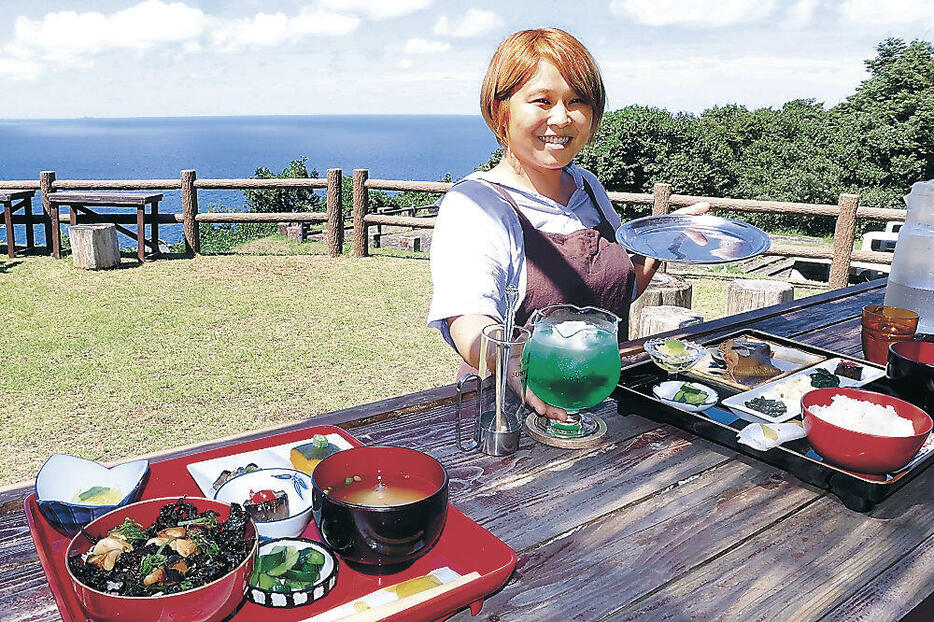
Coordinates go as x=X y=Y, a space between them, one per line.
x=167 y=558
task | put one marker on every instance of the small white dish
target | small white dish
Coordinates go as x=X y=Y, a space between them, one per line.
x=297 y=487
x=63 y=476
x=666 y=391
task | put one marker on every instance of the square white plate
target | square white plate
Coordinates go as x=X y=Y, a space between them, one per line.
x=205 y=472
x=737 y=403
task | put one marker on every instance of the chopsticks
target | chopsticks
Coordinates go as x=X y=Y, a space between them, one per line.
x=385 y=610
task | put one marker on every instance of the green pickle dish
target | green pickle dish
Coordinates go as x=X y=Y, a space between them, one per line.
x=287 y=569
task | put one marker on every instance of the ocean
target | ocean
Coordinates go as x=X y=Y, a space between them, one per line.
x=421 y=147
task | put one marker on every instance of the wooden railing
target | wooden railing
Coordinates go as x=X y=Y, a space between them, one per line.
x=662 y=201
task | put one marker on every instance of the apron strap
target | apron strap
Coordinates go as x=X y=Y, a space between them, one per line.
x=603 y=225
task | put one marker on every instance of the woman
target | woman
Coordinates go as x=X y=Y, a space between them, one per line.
x=535 y=220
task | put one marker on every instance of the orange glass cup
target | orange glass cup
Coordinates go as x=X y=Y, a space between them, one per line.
x=882 y=326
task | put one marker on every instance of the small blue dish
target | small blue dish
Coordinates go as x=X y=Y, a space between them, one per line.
x=63 y=476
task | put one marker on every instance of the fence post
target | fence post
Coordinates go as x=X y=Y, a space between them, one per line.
x=53 y=241
x=189 y=212
x=335 y=214
x=661 y=205
x=361 y=199
x=843 y=237
x=662 y=194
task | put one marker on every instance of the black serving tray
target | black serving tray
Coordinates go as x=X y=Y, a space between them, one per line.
x=858 y=491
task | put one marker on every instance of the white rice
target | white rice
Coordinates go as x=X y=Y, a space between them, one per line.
x=863 y=416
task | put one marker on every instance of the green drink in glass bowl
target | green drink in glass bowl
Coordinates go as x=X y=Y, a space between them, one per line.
x=572 y=362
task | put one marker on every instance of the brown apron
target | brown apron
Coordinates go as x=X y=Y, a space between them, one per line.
x=585 y=268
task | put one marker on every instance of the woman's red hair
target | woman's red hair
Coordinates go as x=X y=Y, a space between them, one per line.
x=515 y=62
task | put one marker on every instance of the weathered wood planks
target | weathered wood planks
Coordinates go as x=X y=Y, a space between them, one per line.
x=654 y=524
x=804 y=567
x=629 y=553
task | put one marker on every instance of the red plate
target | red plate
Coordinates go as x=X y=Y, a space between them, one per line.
x=464 y=547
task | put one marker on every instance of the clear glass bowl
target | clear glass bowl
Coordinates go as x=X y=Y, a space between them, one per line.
x=673 y=363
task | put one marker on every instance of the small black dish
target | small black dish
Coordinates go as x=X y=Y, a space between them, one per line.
x=910 y=371
x=296 y=598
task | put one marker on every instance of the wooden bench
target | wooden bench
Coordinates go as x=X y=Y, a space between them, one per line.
x=9 y=200
x=79 y=202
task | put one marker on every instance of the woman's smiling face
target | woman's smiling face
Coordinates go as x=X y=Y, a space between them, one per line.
x=549 y=122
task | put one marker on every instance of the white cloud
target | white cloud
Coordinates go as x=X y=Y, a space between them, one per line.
x=876 y=12
x=377 y=9
x=801 y=13
x=750 y=80
x=271 y=29
x=473 y=23
x=701 y=13
x=424 y=46
x=17 y=69
x=68 y=38
x=775 y=66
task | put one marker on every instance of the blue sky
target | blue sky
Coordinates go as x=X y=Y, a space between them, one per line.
x=113 y=58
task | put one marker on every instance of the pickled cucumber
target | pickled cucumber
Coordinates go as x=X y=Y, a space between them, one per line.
x=288 y=569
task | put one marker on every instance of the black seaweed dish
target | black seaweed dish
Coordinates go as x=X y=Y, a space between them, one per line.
x=221 y=547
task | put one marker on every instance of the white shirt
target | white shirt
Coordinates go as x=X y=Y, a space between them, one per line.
x=477 y=248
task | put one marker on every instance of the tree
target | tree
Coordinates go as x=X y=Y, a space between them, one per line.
x=887 y=125
x=630 y=147
x=284 y=199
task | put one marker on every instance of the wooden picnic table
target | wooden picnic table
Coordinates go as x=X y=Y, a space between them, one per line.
x=8 y=199
x=653 y=524
x=80 y=202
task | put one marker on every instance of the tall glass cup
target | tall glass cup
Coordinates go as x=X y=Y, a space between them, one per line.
x=499 y=394
x=883 y=325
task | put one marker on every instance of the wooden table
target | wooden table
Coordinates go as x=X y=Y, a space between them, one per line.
x=654 y=524
x=79 y=202
x=9 y=198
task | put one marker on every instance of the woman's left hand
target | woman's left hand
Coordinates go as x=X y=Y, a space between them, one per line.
x=693 y=210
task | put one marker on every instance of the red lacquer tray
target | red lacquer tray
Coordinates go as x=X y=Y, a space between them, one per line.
x=464 y=547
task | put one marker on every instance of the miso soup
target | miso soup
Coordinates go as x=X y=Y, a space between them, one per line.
x=384 y=491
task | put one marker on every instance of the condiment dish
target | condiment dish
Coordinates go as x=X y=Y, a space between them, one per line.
x=666 y=392
x=63 y=477
x=327 y=578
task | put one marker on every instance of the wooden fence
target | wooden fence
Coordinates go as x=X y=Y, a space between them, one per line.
x=662 y=201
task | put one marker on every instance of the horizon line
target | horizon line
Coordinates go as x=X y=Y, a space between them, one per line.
x=230 y=116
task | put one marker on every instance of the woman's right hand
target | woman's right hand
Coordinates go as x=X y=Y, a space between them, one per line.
x=546 y=410
x=531 y=400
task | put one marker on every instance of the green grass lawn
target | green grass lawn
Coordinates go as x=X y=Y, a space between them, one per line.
x=118 y=363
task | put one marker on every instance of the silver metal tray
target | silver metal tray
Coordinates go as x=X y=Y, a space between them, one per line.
x=692 y=239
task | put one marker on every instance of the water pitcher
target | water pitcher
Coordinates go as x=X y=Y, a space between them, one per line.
x=911 y=281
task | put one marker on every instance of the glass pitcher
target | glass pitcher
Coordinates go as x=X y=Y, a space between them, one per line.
x=911 y=280
x=572 y=362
